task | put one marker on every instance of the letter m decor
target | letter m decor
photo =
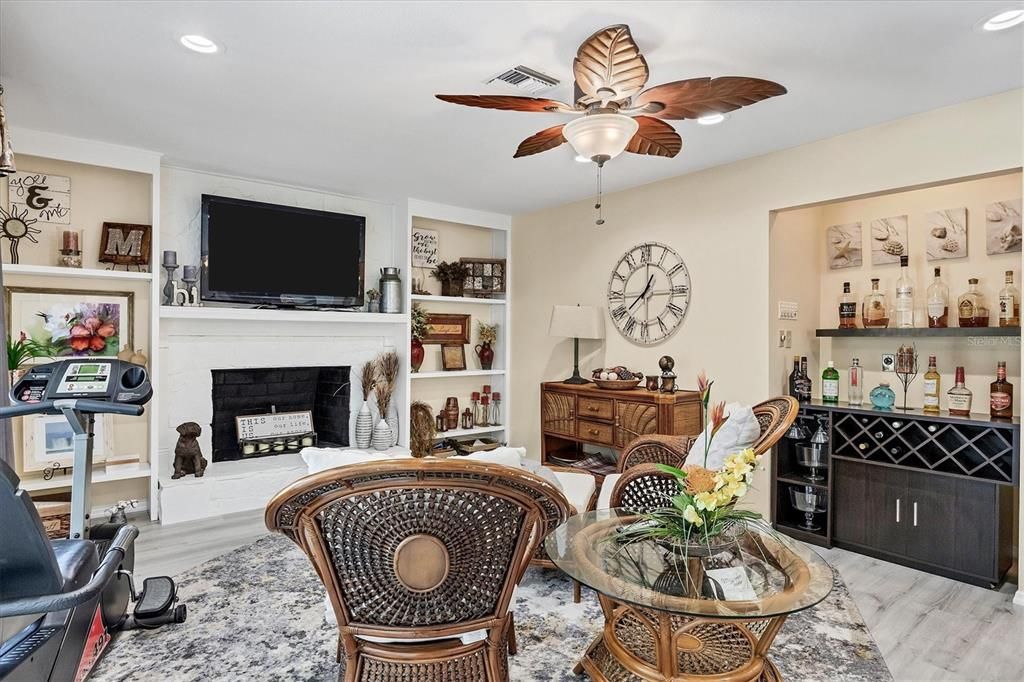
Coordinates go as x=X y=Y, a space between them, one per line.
x=125 y=244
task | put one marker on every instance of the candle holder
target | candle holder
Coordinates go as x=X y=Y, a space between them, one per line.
x=906 y=369
x=69 y=255
x=190 y=275
x=168 y=289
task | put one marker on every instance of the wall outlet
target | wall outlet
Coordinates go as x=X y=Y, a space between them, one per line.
x=888 y=362
x=785 y=338
x=788 y=310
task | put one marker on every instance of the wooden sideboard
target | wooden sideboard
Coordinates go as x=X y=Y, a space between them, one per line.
x=572 y=416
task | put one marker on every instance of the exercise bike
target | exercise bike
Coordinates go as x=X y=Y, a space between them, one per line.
x=62 y=601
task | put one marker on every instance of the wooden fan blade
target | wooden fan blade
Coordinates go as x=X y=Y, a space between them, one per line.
x=655 y=137
x=609 y=66
x=546 y=139
x=508 y=103
x=698 y=97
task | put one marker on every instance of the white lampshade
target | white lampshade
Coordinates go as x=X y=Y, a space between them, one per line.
x=577 y=322
x=600 y=136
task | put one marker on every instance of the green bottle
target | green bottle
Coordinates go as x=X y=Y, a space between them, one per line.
x=830 y=384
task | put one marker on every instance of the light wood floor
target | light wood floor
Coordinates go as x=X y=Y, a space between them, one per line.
x=928 y=628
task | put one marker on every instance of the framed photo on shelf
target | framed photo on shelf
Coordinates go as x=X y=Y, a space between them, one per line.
x=73 y=323
x=453 y=357
x=445 y=328
x=49 y=442
x=486 y=277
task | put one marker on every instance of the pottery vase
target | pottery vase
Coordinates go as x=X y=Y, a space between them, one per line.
x=485 y=354
x=392 y=422
x=364 y=426
x=452 y=287
x=381 y=439
x=416 y=353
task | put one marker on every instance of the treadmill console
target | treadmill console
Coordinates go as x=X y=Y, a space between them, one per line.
x=106 y=379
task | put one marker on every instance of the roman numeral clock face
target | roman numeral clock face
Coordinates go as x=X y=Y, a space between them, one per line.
x=648 y=293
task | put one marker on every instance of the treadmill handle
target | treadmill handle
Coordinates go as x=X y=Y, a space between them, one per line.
x=49 y=603
x=19 y=409
x=99 y=406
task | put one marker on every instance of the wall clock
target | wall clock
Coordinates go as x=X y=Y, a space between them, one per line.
x=649 y=293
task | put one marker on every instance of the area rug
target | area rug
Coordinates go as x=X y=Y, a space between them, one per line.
x=257 y=613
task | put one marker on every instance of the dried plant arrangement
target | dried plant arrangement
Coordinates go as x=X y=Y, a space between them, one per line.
x=421 y=429
x=388 y=367
x=367 y=378
x=487 y=333
x=383 y=389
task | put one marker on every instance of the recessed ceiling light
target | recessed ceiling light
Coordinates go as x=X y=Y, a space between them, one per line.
x=198 y=43
x=711 y=119
x=1004 y=20
x=582 y=159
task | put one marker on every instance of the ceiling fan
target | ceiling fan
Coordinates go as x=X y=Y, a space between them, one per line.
x=615 y=113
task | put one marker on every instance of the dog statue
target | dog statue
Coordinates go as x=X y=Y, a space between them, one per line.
x=188 y=457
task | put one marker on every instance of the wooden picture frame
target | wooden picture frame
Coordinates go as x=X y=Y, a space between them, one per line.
x=446 y=328
x=48 y=442
x=487 y=277
x=126 y=244
x=453 y=357
x=52 y=316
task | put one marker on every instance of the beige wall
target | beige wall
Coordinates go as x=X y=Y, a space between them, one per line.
x=718 y=220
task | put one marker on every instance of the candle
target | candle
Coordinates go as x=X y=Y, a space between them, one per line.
x=307 y=441
x=69 y=240
x=248 y=449
x=487 y=388
x=190 y=273
x=171 y=258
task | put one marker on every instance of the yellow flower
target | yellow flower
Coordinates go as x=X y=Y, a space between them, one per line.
x=724 y=497
x=706 y=501
x=691 y=515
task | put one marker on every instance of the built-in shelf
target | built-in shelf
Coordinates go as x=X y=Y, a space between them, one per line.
x=98 y=476
x=920 y=332
x=458 y=373
x=279 y=315
x=74 y=273
x=427 y=298
x=475 y=431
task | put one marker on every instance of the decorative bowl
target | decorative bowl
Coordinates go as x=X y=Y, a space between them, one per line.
x=617 y=384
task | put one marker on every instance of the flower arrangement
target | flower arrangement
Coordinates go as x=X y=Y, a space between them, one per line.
x=372 y=295
x=450 y=272
x=418 y=319
x=488 y=333
x=24 y=349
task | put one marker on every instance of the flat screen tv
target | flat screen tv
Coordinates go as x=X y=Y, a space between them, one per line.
x=266 y=254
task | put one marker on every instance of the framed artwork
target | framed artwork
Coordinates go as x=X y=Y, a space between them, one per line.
x=49 y=442
x=844 y=246
x=125 y=244
x=424 y=248
x=889 y=240
x=1002 y=227
x=486 y=277
x=40 y=196
x=446 y=328
x=947 y=234
x=453 y=357
x=72 y=323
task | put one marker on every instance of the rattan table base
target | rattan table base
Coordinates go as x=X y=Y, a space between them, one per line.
x=642 y=645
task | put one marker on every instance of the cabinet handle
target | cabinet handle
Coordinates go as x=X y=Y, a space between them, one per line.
x=897 y=510
x=915 y=514
x=593 y=432
x=592 y=408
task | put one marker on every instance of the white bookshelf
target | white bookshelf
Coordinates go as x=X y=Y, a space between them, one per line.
x=99 y=475
x=75 y=273
x=464 y=433
x=458 y=373
x=425 y=298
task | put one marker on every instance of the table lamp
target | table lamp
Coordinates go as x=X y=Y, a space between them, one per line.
x=576 y=322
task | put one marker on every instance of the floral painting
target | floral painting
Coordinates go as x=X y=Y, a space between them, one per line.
x=72 y=323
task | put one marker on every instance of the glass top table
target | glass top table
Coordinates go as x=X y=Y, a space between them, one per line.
x=756 y=573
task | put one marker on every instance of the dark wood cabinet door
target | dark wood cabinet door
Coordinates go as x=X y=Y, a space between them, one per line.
x=558 y=413
x=849 y=501
x=870 y=505
x=634 y=419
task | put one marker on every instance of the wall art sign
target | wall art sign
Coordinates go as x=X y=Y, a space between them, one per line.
x=424 y=248
x=274 y=424
x=125 y=244
x=45 y=197
x=947 y=233
x=889 y=240
x=447 y=328
x=844 y=246
x=1002 y=227
x=72 y=323
x=486 y=277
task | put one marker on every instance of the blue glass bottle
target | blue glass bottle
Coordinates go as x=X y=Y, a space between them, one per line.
x=883 y=397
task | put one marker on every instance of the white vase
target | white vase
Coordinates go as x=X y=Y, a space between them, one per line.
x=392 y=420
x=381 y=436
x=364 y=426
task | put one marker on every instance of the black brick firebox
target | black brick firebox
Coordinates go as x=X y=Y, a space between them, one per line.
x=322 y=390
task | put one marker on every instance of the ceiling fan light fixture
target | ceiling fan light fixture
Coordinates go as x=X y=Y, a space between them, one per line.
x=600 y=136
x=1003 y=20
x=711 y=119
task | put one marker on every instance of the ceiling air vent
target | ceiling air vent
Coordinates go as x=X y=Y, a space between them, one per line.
x=525 y=79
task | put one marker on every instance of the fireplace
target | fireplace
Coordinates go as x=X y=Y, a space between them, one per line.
x=324 y=391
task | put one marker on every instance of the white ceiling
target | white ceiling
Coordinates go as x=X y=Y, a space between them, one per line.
x=339 y=96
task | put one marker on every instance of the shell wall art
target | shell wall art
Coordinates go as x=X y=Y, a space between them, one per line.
x=946 y=233
x=1002 y=227
x=889 y=240
x=844 y=246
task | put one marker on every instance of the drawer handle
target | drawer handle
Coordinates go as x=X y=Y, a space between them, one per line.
x=593 y=432
x=593 y=408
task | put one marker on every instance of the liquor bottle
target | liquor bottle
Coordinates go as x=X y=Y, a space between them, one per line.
x=904 y=296
x=847 y=309
x=874 y=313
x=830 y=384
x=932 y=386
x=805 y=381
x=938 y=302
x=971 y=308
x=794 y=378
x=1001 y=394
x=855 y=389
x=959 y=397
x=1009 y=303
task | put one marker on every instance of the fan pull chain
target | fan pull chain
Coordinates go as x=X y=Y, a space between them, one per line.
x=600 y=194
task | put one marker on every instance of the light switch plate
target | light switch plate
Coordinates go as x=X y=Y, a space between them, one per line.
x=788 y=310
x=785 y=338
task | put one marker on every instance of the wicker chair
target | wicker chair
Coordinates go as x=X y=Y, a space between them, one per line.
x=540 y=556
x=774 y=416
x=415 y=554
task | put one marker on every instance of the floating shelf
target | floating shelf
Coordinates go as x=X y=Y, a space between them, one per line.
x=279 y=315
x=921 y=332
x=457 y=299
x=74 y=273
x=458 y=373
x=98 y=476
x=476 y=431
